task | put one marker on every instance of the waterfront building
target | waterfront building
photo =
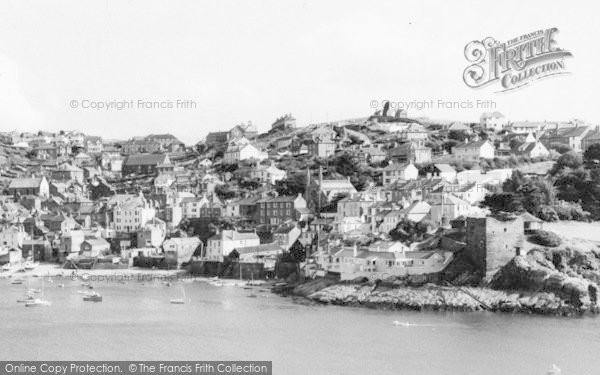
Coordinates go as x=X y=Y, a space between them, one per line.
x=222 y=243
x=353 y=262
x=493 y=241
x=180 y=250
x=132 y=214
x=94 y=247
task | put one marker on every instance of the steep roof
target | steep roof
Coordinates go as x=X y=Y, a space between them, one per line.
x=445 y=168
x=146 y=159
x=475 y=144
x=397 y=167
x=25 y=183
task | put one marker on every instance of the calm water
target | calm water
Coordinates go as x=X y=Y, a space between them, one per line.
x=136 y=321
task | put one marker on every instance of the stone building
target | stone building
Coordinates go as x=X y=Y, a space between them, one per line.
x=493 y=241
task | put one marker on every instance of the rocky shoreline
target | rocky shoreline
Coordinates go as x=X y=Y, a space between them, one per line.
x=562 y=283
x=438 y=298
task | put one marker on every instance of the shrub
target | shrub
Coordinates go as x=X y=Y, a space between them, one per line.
x=571 y=211
x=545 y=238
x=561 y=148
x=547 y=213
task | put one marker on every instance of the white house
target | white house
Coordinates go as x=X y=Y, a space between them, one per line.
x=444 y=171
x=223 y=243
x=525 y=127
x=353 y=263
x=13 y=237
x=474 y=150
x=416 y=212
x=492 y=177
x=451 y=207
x=471 y=192
x=270 y=174
x=493 y=120
x=133 y=214
x=396 y=172
x=180 y=250
x=534 y=149
x=236 y=153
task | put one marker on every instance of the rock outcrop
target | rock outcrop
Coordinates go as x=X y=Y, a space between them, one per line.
x=543 y=271
x=436 y=298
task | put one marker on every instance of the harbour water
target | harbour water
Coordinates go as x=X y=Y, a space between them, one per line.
x=135 y=321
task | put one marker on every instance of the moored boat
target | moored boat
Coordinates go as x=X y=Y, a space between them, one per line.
x=38 y=302
x=93 y=297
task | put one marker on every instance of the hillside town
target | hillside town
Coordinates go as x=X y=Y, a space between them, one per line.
x=382 y=196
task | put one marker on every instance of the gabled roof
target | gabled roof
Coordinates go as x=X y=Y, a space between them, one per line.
x=268 y=247
x=475 y=144
x=448 y=199
x=445 y=168
x=95 y=242
x=336 y=185
x=147 y=159
x=528 y=218
x=25 y=183
x=398 y=167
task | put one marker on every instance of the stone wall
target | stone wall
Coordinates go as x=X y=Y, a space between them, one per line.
x=492 y=243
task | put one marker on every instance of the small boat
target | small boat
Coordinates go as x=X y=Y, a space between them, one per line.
x=61 y=285
x=215 y=282
x=26 y=299
x=554 y=370
x=86 y=292
x=398 y=323
x=31 y=265
x=31 y=290
x=38 y=302
x=85 y=284
x=252 y=295
x=167 y=283
x=93 y=297
x=180 y=301
x=17 y=282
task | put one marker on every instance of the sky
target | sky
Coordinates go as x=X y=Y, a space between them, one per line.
x=239 y=61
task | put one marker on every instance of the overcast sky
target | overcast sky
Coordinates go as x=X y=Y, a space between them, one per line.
x=255 y=60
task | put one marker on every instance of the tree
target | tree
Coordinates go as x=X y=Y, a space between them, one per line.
x=293 y=184
x=449 y=144
x=592 y=153
x=458 y=135
x=224 y=192
x=561 y=148
x=409 y=231
x=503 y=202
x=345 y=164
x=567 y=160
